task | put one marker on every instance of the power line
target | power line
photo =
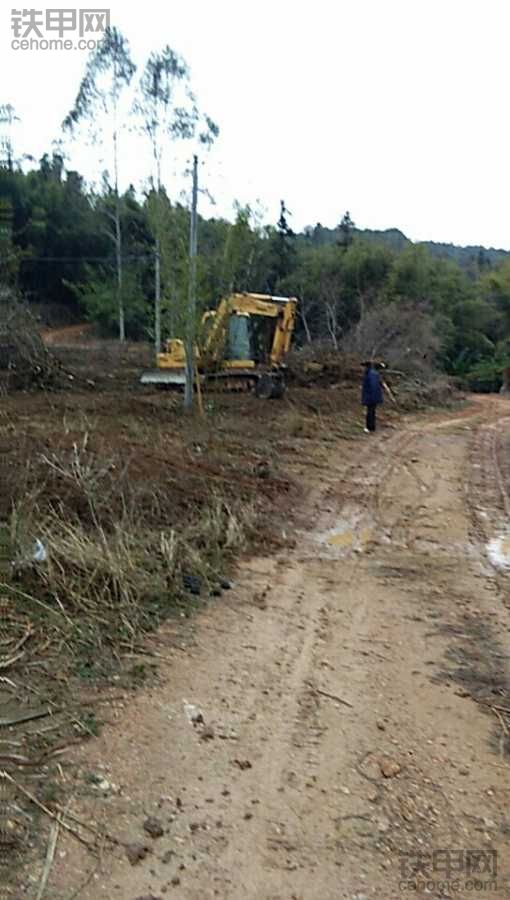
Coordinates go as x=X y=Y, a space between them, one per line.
x=64 y=259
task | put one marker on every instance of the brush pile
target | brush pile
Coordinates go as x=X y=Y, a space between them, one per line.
x=412 y=381
x=318 y=364
x=25 y=363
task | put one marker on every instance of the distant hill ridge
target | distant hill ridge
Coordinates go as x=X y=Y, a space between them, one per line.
x=397 y=240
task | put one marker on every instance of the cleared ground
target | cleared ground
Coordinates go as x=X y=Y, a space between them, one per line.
x=354 y=688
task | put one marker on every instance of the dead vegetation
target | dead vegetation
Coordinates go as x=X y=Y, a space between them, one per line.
x=25 y=362
x=122 y=520
x=129 y=498
x=408 y=357
x=403 y=336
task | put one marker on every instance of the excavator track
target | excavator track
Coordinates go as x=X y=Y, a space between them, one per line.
x=265 y=385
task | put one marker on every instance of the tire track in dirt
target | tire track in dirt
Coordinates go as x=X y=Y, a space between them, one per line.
x=296 y=730
x=487 y=495
x=495 y=453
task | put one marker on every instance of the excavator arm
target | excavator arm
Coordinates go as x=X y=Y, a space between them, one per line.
x=282 y=309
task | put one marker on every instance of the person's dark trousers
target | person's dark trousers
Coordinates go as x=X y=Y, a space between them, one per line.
x=371 y=418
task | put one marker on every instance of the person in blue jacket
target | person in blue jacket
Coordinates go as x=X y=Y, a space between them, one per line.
x=371 y=394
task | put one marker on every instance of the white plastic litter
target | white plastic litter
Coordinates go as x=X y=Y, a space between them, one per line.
x=40 y=555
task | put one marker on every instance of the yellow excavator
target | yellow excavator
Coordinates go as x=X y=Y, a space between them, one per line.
x=241 y=346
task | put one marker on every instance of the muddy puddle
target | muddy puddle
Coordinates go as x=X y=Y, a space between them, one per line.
x=351 y=533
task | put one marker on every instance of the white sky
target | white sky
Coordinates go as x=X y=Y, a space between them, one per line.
x=396 y=110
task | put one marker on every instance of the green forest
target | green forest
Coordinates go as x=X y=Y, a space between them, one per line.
x=81 y=253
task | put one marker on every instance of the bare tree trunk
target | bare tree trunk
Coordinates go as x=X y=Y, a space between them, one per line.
x=249 y=268
x=304 y=318
x=332 y=324
x=157 y=286
x=118 y=242
x=118 y=250
x=361 y=320
x=362 y=308
x=192 y=297
x=172 y=307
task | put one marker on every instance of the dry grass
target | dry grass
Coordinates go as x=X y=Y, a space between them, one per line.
x=128 y=494
x=301 y=424
x=109 y=570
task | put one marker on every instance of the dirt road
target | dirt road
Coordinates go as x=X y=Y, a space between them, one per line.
x=355 y=693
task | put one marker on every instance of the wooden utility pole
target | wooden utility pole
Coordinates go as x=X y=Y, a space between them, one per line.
x=192 y=293
x=118 y=253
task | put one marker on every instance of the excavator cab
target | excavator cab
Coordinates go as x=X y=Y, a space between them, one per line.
x=239 y=343
x=250 y=339
x=263 y=335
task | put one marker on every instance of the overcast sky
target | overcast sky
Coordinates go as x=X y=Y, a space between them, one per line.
x=396 y=110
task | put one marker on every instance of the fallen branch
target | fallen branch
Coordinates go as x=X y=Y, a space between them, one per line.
x=50 y=855
x=6 y=586
x=504 y=732
x=501 y=719
x=329 y=696
x=105 y=835
x=28 y=633
x=33 y=799
x=28 y=716
x=139 y=651
x=10 y=662
x=389 y=392
x=6 y=760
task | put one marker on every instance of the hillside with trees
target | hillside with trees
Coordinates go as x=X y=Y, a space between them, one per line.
x=469 y=258
x=119 y=258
